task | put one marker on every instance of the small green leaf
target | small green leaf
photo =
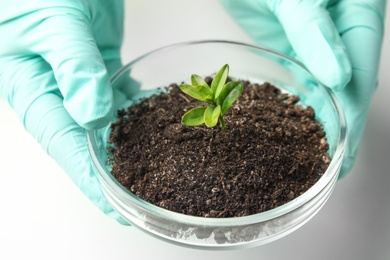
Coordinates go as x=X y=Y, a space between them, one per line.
x=197 y=80
x=211 y=115
x=194 y=117
x=226 y=90
x=219 y=95
x=199 y=92
x=219 y=81
x=232 y=93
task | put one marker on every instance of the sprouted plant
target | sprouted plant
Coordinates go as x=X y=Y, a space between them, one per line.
x=220 y=96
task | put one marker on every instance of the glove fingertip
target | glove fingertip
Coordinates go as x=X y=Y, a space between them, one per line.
x=96 y=123
x=95 y=120
x=90 y=104
x=326 y=58
x=316 y=41
x=335 y=77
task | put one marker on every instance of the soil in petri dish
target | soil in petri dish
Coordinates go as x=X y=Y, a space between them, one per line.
x=272 y=151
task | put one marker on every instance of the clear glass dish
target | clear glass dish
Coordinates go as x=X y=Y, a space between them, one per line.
x=175 y=64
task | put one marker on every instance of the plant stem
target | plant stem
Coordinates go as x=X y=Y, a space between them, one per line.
x=222 y=123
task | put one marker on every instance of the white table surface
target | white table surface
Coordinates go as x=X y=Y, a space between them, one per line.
x=44 y=216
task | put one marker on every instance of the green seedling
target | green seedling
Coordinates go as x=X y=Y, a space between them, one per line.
x=220 y=96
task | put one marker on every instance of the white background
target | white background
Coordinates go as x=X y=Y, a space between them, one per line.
x=44 y=216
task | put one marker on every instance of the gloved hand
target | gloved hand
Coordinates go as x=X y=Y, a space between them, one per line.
x=339 y=41
x=55 y=60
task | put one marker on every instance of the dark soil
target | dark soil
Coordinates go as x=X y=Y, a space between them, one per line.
x=272 y=151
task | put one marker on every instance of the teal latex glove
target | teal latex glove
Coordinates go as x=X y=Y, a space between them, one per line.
x=56 y=57
x=338 y=41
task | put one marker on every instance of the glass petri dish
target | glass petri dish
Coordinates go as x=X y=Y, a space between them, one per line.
x=173 y=64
